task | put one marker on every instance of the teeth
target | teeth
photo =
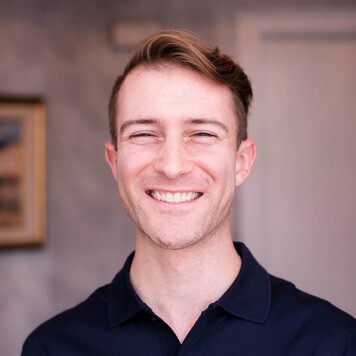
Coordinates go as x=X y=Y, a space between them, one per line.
x=174 y=198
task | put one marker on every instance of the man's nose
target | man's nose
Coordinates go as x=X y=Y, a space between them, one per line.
x=173 y=159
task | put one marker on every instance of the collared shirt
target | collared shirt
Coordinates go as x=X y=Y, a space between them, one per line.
x=258 y=315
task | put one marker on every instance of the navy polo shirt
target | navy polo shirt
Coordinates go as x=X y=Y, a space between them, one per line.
x=258 y=315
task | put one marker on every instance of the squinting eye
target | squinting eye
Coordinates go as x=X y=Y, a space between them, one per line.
x=143 y=138
x=206 y=134
x=144 y=134
x=203 y=137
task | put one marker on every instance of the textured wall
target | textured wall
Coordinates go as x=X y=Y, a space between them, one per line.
x=60 y=51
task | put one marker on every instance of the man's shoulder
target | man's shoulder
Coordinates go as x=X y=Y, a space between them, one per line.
x=314 y=314
x=289 y=295
x=92 y=311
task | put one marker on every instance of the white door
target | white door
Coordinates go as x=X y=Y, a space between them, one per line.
x=297 y=210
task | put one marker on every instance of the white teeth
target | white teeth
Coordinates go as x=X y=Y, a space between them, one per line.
x=174 y=198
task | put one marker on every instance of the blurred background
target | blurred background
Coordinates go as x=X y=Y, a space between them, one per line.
x=296 y=212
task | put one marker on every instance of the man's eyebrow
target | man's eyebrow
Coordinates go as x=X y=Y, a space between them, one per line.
x=200 y=121
x=128 y=123
x=191 y=121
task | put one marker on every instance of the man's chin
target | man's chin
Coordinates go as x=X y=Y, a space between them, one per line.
x=173 y=243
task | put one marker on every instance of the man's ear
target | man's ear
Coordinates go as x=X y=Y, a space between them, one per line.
x=244 y=160
x=111 y=158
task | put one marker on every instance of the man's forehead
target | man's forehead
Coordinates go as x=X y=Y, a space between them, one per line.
x=170 y=71
x=170 y=80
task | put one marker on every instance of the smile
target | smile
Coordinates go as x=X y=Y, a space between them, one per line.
x=174 y=197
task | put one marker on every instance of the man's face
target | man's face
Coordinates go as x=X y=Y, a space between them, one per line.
x=177 y=162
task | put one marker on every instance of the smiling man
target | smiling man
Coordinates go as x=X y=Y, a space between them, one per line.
x=178 y=120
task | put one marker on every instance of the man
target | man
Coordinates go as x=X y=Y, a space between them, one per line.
x=178 y=120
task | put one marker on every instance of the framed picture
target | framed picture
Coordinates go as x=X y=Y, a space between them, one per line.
x=22 y=172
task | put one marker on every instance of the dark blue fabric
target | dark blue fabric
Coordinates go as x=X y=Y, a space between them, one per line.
x=258 y=315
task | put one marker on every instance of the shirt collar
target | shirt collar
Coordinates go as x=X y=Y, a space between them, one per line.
x=124 y=303
x=249 y=297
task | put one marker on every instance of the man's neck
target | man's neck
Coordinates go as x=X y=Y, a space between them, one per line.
x=179 y=284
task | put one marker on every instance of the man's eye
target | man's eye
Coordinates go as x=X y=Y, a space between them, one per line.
x=142 y=134
x=203 y=137
x=205 y=134
x=143 y=138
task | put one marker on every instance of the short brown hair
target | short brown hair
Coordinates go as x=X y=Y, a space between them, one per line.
x=184 y=49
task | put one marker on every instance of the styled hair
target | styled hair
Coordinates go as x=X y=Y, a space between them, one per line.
x=183 y=49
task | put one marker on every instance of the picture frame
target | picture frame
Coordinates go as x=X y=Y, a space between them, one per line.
x=22 y=172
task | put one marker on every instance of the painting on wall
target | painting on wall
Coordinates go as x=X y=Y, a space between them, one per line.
x=22 y=172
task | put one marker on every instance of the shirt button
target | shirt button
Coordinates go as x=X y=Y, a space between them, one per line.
x=153 y=318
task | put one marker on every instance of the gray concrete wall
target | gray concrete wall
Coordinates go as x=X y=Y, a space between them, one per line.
x=59 y=50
